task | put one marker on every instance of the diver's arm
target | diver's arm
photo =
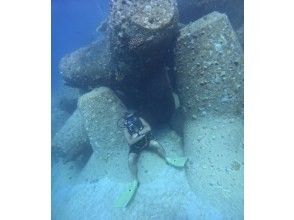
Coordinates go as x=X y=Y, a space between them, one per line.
x=132 y=139
x=146 y=126
x=128 y=136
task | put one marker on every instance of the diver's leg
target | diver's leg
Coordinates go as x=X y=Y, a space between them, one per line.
x=157 y=148
x=133 y=158
x=126 y=196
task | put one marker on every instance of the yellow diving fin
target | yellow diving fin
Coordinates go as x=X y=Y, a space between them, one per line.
x=126 y=196
x=176 y=161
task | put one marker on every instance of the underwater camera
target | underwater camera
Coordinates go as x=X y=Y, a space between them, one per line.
x=132 y=123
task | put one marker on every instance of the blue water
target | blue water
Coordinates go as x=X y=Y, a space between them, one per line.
x=74 y=24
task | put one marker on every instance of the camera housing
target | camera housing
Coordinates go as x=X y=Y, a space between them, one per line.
x=133 y=123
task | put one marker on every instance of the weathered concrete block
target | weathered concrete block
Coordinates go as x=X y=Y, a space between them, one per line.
x=190 y=10
x=209 y=70
x=215 y=169
x=140 y=35
x=59 y=112
x=101 y=109
x=72 y=139
x=209 y=67
x=58 y=119
x=240 y=34
x=88 y=66
x=142 y=25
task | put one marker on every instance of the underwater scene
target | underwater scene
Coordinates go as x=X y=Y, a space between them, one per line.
x=147 y=109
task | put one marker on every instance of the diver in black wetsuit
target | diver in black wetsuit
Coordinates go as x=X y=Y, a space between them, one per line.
x=138 y=134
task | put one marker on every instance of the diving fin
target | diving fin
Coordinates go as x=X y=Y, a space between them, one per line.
x=177 y=161
x=126 y=196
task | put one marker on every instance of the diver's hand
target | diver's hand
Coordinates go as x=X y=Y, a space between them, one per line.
x=146 y=127
x=144 y=131
x=136 y=138
x=135 y=135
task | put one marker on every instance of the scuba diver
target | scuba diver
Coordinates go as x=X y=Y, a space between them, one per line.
x=139 y=137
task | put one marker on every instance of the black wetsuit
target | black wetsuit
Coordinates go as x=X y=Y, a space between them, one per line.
x=141 y=144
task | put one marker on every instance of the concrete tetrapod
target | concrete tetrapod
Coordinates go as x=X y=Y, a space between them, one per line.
x=214 y=146
x=88 y=66
x=209 y=67
x=101 y=110
x=71 y=140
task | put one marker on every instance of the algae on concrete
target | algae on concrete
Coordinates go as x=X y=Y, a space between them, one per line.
x=101 y=110
x=72 y=139
x=88 y=66
x=209 y=67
